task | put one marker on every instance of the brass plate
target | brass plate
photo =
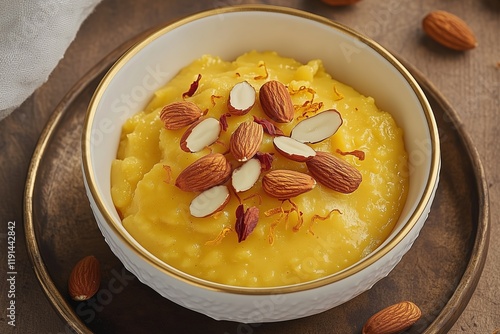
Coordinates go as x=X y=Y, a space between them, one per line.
x=439 y=273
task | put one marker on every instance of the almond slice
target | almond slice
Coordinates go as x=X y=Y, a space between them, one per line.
x=245 y=176
x=85 y=279
x=318 y=127
x=209 y=201
x=200 y=134
x=293 y=149
x=245 y=140
x=241 y=98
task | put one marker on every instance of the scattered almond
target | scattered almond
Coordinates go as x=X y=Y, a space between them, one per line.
x=245 y=221
x=393 y=319
x=241 y=98
x=245 y=176
x=318 y=127
x=276 y=101
x=177 y=115
x=449 y=30
x=285 y=184
x=208 y=171
x=245 y=140
x=334 y=172
x=200 y=134
x=209 y=201
x=85 y=279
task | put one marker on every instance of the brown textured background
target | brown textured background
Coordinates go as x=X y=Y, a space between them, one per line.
x=470 y=81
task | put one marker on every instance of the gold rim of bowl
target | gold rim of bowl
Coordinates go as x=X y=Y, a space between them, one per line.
x=171 y=271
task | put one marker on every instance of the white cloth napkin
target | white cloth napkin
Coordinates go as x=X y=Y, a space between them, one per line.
x=34 y=35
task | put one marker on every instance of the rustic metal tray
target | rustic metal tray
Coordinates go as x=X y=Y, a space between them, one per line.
x=439 y=273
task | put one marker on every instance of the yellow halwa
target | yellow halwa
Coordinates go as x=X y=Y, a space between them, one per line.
x=332 y=230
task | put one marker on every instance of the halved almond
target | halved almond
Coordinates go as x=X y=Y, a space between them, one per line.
x=177 y=115
x=208 y=171
x=241 y=98
x=245 y=140
x=318 y=127
x=285 y=184
x=245 y=221
x=85 y=278
x=293 y=149
x=245 y=176
x=209 y=201
x=200 y=134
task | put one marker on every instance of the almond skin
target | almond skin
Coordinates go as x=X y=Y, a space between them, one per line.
x=208 y=171
x=177 y=115
x=449 y=30
x=276 y=101
x=285 y=184
x=85 y=279
x=334 y=172
x=245 y=140
x=393 y=319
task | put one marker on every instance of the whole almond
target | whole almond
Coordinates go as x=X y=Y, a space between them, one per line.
x=85 y=279
x=340 y=2
x=393 y=319
x=449 y=30
x=177 y=115
x=334 y=172
x=285 y=184
x=209 y=201
x=206 y=172
x=245 y=140
x=276 y=101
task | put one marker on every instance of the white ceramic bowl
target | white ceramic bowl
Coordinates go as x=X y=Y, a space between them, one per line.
x=229 y=32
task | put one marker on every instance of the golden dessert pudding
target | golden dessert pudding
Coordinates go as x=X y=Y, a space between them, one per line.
x=259 y=172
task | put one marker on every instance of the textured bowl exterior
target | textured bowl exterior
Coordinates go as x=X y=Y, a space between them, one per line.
x=350 y=58
x=255 y=308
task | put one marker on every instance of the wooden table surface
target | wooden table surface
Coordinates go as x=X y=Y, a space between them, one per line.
x=469 y=80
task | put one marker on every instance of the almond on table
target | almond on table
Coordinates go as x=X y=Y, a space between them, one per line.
x=177 y=115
